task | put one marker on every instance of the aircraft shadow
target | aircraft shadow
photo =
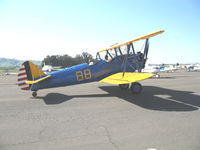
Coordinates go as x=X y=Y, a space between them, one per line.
x=57 y=98
x=156 y=98
x=153 y=98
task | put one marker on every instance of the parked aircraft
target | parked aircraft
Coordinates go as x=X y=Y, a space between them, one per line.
x=156 y=69
x=122 y=65
x=170 y=68
x=7 y=72
x=152 y=69
x=195 y=67
x=47 y=69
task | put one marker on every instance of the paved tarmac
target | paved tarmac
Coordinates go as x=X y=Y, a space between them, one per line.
x=98 y=116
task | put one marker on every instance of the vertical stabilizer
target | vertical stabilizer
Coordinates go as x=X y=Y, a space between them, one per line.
x=28 y=71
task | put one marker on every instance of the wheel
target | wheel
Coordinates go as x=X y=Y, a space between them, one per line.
x=136 y=88
x=123 y=86
x=34 y=94
x=157 y=76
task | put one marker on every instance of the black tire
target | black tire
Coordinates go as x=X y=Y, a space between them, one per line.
x=136 y=88
x=34 y=94
x=123 y=86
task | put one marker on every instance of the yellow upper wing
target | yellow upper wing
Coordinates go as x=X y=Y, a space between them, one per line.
x=129 y=77
x=134 y=40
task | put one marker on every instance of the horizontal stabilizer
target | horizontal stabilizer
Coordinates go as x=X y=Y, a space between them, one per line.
x=129 y=77
x=38 y=80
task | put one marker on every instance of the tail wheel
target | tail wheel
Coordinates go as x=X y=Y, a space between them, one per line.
x=123 y=86
x=34 y=94
x=136 y=88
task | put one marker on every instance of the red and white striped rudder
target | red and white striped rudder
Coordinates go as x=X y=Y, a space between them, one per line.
x=22 y=77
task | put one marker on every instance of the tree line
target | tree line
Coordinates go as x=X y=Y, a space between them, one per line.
x=66 y=60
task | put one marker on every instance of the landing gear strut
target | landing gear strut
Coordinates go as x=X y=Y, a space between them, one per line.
x=34 y=94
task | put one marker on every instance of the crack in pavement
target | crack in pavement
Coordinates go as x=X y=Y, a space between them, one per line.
x=109 y=137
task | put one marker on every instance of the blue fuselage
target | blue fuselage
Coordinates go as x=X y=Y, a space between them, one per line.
x=84 y=73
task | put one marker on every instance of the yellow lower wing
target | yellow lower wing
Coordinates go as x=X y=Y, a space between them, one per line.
x=129 y=77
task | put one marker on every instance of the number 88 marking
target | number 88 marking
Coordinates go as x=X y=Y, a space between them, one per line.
x=87 y=74
x=79 y=75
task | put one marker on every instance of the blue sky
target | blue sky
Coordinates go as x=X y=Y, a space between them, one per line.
x=33 y=29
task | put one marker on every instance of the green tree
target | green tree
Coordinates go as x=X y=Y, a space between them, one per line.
x=87 y=57
x=66 y=60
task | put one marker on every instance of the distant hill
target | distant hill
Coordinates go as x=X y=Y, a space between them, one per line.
x=14 y=63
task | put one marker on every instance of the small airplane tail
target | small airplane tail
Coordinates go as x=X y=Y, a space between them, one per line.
x=28 y=71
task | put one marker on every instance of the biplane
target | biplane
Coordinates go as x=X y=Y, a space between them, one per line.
x=120 y=65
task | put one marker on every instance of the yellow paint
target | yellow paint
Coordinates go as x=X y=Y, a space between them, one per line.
x=86 y=72
x=35 y=71
x=79 y=75
x=129 y=77
x=36 y=81
x=134 y=40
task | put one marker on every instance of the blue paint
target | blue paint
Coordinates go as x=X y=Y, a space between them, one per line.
x=99 y=71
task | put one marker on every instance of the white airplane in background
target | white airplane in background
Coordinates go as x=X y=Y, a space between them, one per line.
x=47 y=68
x=152 y=69
x=170 y=68
x=195 y=67
x=7 y=72
x=156 y=69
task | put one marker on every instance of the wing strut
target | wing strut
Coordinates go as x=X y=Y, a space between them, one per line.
x=146 y=49
x=126 y=59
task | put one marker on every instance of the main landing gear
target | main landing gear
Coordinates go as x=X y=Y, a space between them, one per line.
x=34 y=94
x=136 y=87
x=157 y=76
